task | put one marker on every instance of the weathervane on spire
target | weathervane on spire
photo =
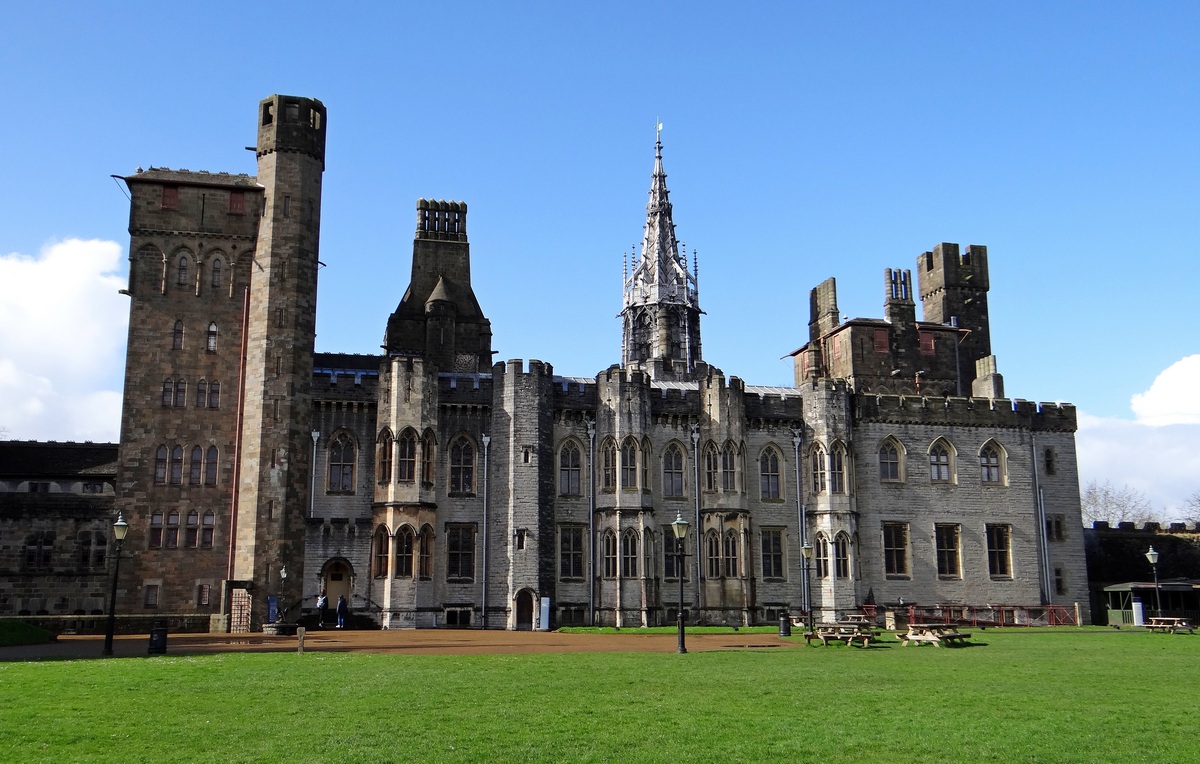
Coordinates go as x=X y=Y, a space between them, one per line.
x=657 y=130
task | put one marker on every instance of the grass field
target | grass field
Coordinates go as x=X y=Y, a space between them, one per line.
x=1018 y=696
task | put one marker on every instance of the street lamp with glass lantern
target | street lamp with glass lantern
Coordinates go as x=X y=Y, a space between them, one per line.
x=807 y=551
x=120 y=528
x=1152 y=556
x=680 y=529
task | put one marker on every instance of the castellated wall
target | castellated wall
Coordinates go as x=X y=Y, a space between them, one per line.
x=521 y=542
x=1036 y=445
x=626 y=407
x=338 y=524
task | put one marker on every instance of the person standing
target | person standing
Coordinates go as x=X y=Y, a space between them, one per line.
x=322 y=607
x=343 y=610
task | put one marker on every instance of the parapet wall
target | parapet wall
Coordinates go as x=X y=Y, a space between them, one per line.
x=966 y=412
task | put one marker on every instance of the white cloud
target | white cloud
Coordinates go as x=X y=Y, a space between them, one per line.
x=62 y=342
x=1156 y=453
x=1172 y=397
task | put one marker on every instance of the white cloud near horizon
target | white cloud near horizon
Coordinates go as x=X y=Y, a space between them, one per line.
x=1172 y=397
x=63 y=328
x=1155 y=453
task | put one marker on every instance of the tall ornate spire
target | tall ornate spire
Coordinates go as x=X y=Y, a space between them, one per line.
x=661 y=313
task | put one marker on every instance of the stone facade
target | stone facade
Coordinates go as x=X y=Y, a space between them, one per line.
x=433 y=487
x=56 y=512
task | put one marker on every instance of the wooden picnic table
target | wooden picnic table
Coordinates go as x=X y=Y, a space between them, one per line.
x=935 y=634
x=855 y=618
x=1172 y=625
x=848 y=633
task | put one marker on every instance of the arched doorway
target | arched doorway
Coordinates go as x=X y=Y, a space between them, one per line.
x=524 y=610
x=337 y=579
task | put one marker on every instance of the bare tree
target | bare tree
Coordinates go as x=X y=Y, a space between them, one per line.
x=1191 y=508
x=1101 y=501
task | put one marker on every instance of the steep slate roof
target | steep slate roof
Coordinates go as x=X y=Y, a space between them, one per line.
x=29 y=459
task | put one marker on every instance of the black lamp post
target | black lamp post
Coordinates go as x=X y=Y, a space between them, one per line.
x=1152 y=556
x=282 y=589
x=680 y=529
x=120 y=528
x=807 y=551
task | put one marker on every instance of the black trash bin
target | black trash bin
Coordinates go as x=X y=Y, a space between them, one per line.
x=785 y=626
x=158 y=637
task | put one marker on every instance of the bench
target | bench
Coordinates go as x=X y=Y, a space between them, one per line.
x=844 y=634
x=1172 y=625
x=933 y=636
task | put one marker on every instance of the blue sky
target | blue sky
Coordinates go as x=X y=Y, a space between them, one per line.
x=801 y=140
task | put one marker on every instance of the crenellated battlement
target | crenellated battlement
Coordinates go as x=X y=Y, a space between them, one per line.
x=620 y=375
x=773 y=403
x=465 y=388
x=966 y=412
x=515 y=367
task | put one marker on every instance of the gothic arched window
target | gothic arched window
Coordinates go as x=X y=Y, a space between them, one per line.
x=729 y=459
x=712 y=554
x=196 y=467
x=629 y=464
x=609 y=548
x=406 y=462
x=841 y=555
x=991 y=464
x=837 y=469
x=160 y=465
x=731 y=554
x=569 y=470
x=889 y=461
x=817 y=467
x=341 y=465
x=822 y=555
x=177 y=465
x=210 y=466
x=384 y=457
x=768 y=472
x=673 y=471
x=404 y=553
x=940 y=463
x=207 y=526
x=462 y=466
x=608 y=465
x=712 y=467
x=380 y=553
x=629 y=554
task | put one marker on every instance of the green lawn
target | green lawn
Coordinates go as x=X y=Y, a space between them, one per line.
x=1031 y=695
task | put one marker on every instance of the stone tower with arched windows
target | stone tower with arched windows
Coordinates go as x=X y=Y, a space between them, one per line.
x=213 y=462
x=275 y=446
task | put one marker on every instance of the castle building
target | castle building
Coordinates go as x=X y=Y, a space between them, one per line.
x=56 y=512
x=432 y=487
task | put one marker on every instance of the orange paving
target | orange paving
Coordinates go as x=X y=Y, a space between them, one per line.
x=410 y=642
